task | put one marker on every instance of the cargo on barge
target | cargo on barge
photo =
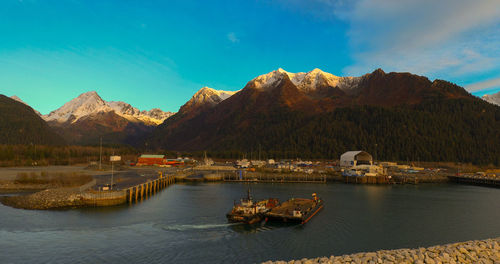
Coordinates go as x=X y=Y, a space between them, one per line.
x=297 y=210
x=250 y=212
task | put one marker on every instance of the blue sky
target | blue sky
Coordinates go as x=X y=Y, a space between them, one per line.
x=159 y=53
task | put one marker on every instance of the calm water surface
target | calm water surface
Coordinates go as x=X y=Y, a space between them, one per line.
x=187 y=224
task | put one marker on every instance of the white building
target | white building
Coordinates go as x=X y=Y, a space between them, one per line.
x=355 y=158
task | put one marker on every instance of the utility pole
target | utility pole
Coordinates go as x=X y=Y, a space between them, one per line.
x=112 y=167
x=100 y=152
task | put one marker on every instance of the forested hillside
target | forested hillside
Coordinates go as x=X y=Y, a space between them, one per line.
x=422 y=120
x=19 y=124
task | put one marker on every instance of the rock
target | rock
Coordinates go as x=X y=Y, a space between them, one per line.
x=324 y=260
x=463 y=250
x=429 y=260
x=460 y=259
x=485 y=251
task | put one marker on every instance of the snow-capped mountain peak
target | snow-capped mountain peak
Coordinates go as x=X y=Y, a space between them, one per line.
x=83 y=105
x=205 y=97
x=305 y=81
x=269 y=80
x=91 y=103
x=492 y=98
x=210 y=95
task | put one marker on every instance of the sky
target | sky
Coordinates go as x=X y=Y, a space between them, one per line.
x=157 y=54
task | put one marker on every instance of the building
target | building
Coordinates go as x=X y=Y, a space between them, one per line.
x=355 y=158
x=151 y=160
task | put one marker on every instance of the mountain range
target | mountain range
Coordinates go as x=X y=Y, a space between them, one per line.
x=309 y=114
x=87 y=118
x=400 y=116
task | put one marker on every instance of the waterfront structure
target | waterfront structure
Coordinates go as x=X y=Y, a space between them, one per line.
x=354 y=158
x=150 y=160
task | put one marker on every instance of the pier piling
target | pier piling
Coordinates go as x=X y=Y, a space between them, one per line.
x=148 y=189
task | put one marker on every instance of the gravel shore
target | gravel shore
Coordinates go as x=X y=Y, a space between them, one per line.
x=46 y=199
x=475 y=251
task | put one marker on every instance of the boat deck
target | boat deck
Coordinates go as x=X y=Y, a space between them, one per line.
x=285 y=212
x=287 y=207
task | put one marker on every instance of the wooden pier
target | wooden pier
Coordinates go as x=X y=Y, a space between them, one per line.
x=145 y=190
x=245 y=176
x=476 y=180
x=129 y=195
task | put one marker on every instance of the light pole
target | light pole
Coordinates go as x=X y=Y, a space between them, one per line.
x=100 y=152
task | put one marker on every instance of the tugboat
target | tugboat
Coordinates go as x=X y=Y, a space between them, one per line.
x=296 y=210
x=250 y=212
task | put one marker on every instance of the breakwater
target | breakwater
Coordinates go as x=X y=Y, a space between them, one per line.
x=474 y=251
x=83 y=197
x=46 y=199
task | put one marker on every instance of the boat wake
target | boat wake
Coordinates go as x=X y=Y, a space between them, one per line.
x=197 y=227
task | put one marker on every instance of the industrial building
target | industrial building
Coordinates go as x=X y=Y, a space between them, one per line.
x=151 y=160
x=355 y=158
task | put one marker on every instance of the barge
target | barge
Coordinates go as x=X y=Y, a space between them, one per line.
x=298 y=210
x=250 y=212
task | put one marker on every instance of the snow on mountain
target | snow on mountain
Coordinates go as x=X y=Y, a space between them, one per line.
x=15 y=97
x=306 y=82
x=154 y=116
x=90 y=103
x=492 y=98
x=83 y=105
x=209 y=95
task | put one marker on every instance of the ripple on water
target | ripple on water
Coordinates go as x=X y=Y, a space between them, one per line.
x=187 y=224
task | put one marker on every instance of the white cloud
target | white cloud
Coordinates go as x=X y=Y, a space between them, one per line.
x=449 y=39
x=446 y=38
x=231 y=36
x=484 y=85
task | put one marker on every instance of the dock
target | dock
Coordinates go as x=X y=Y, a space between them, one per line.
x=246 y=176
x=148 y=189
x=476 y=180
x=129 y=195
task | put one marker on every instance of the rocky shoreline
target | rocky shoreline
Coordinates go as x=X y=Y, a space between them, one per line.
x=46 y=199
x=474 y=251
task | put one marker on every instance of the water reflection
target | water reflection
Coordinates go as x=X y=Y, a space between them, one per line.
x=187 y=224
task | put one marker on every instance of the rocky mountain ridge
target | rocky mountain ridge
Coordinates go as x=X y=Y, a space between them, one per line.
x=90 y=103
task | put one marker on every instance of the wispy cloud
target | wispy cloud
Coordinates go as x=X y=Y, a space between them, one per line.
x=231 y=36
x=484 y=85
x=446 y=38
x=452 y=39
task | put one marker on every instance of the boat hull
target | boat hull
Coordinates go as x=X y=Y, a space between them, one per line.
x=283 y=213
x=247 y=219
